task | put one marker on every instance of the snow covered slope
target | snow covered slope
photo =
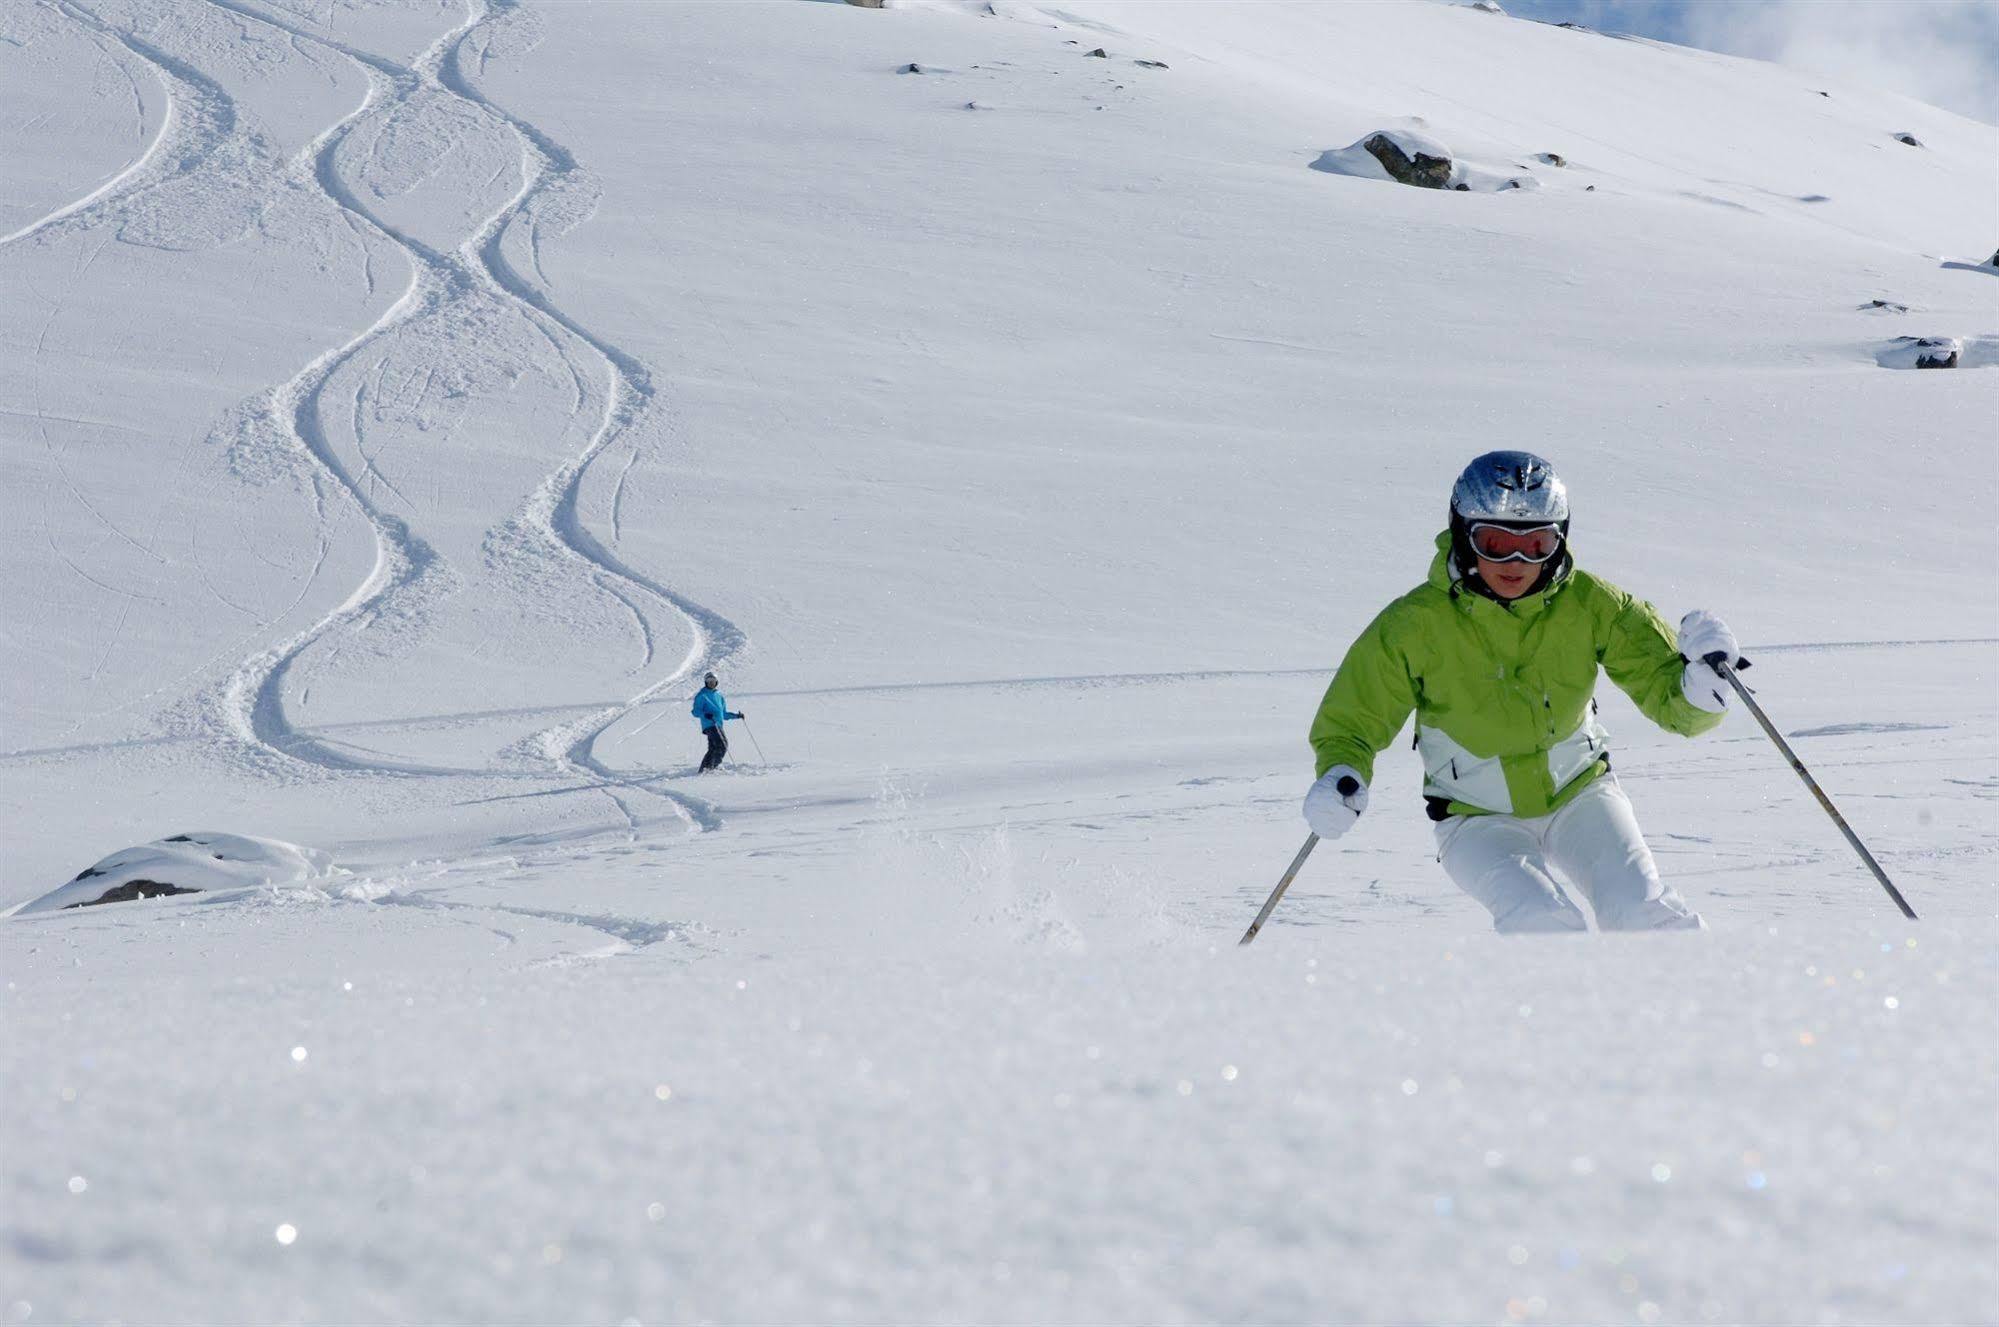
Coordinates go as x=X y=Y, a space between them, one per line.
x=403 y=404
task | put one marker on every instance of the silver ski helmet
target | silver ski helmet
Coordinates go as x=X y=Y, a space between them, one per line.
x=1516 y=489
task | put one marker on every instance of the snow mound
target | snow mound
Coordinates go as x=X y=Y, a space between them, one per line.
x=1407 y=156
x=185 y=864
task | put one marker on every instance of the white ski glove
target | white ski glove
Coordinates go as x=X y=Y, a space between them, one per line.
x=1702 y=634
x=1335 y=802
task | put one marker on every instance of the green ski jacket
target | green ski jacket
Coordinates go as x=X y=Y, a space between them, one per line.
x=1503 y=693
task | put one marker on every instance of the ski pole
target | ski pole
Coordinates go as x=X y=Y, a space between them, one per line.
x=1719 y=662
x=753 y=741
x=1311 y=842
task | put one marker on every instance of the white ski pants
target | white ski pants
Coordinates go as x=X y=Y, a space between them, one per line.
x=1505 y=863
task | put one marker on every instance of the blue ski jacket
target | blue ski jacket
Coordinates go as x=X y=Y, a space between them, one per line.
x=711 y=709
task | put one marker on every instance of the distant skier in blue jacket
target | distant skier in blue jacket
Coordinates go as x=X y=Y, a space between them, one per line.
x=711 y=709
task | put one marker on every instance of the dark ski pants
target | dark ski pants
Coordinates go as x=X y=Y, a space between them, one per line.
x=718 y=746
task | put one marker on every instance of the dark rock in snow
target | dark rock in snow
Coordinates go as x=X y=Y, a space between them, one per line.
x=1422 y=170
x=1589 y=188
x=1910 y=139
x=865 y=4
x=1099 y=53
x=911 y=68
x=1884 y=306
x=1152 y=64
x=1404 y=154
x=1921 y=352
x=131 y=891
x=1551 y=158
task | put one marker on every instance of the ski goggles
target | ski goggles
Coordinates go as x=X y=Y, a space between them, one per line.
x=1505 y=543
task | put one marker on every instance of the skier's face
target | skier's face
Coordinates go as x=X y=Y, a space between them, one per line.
x=1509 y=580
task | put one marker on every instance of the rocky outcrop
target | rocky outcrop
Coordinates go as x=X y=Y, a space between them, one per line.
x=1407 y=155
x=131 y=891
x=1921 y=352
x=1408 y=163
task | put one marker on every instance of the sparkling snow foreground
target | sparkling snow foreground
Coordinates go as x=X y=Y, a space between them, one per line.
x=403 y=404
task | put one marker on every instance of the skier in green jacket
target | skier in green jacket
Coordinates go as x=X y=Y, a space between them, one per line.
x=1497 y=654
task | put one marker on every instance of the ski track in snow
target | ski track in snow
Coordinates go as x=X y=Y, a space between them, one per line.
x=626 y=934
x=254 y=694
x=143 y=168
x=201 y=134
x=547 y=166
x=201 y=121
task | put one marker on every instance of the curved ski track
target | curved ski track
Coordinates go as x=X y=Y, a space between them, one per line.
x=477 y=268
x=201 y=120
x=546 y=168
x=199 y=124
x=193 y=123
